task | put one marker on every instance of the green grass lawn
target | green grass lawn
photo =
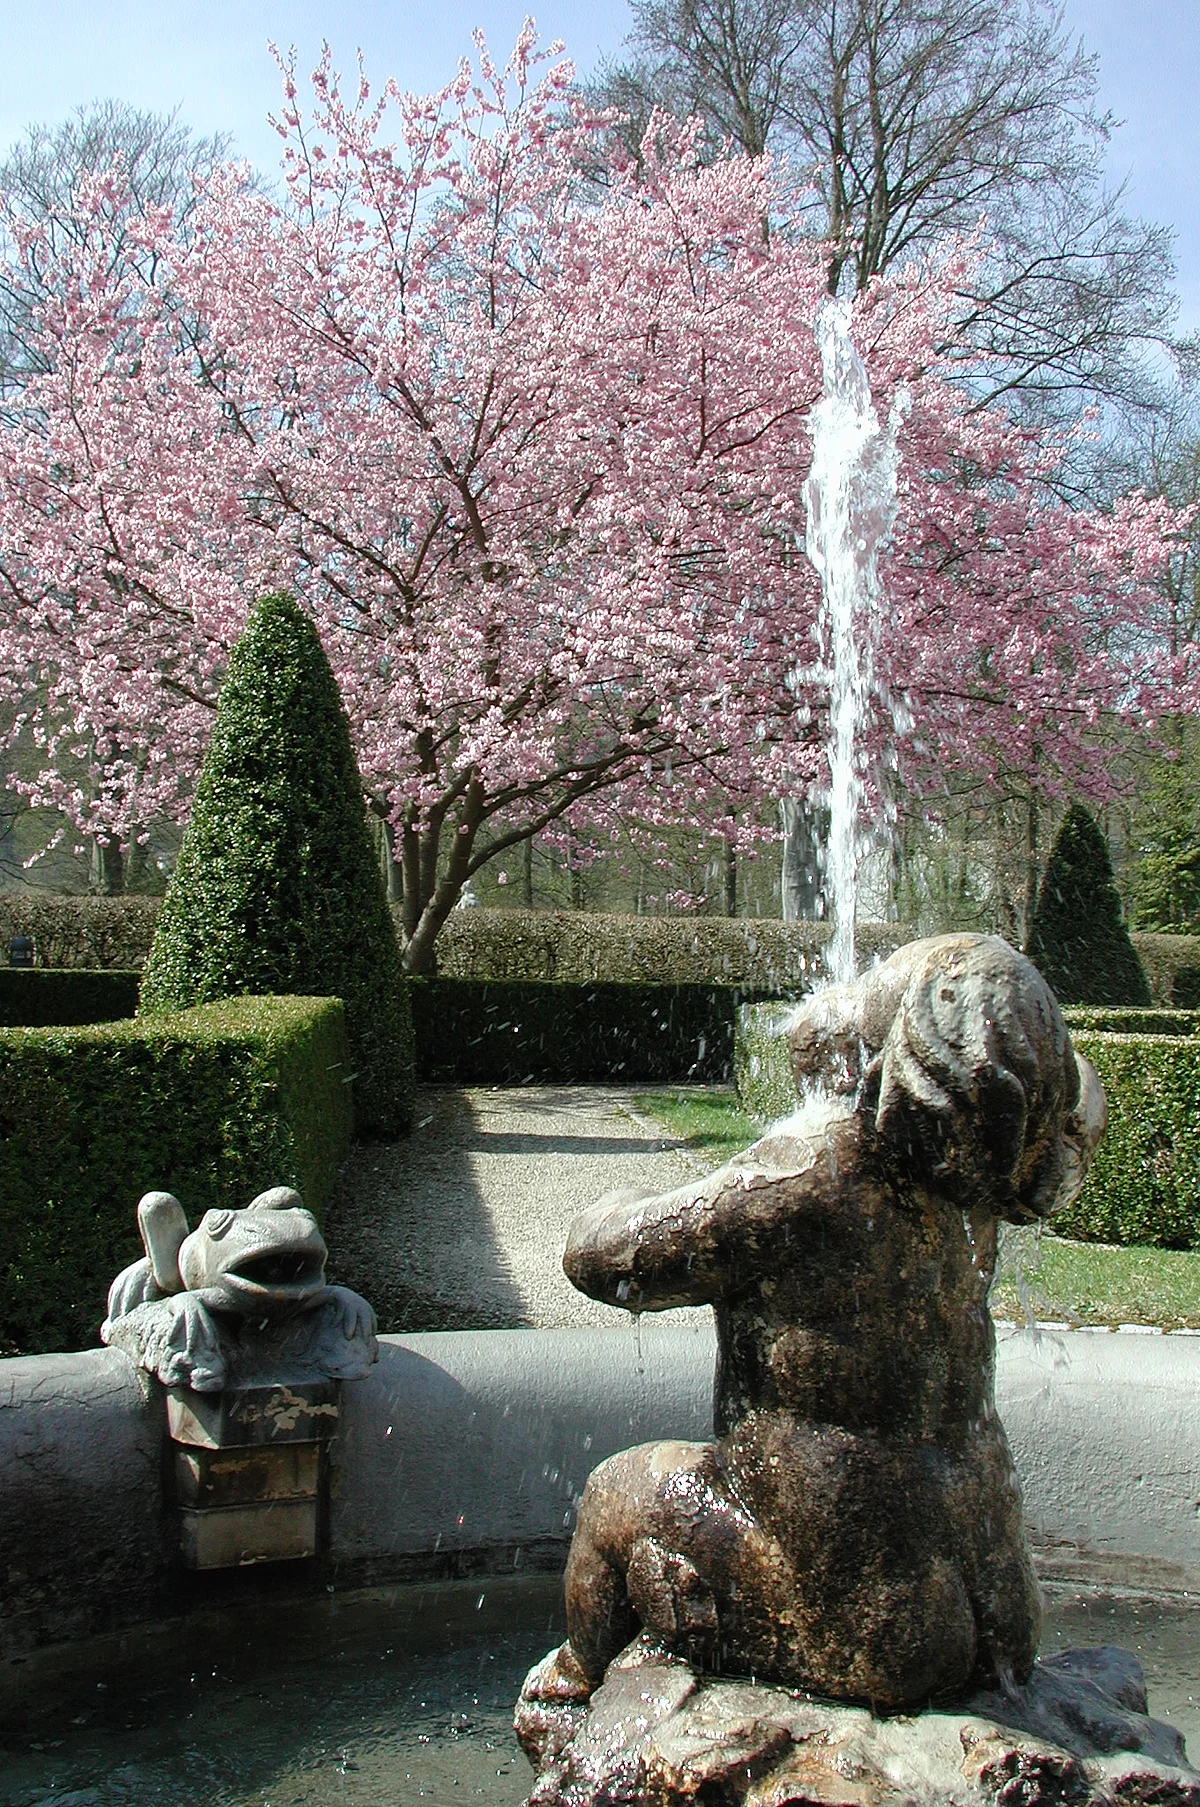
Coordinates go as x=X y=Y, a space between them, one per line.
x=1038 y=1276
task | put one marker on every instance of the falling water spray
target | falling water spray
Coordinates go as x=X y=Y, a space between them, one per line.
x=850 y=498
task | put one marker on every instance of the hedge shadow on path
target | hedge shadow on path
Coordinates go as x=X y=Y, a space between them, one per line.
x=462 y=1226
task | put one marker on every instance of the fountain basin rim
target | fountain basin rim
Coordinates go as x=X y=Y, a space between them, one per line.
x=463 y=1453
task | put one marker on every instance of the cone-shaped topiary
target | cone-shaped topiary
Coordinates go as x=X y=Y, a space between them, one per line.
x=277 y=889
x=1078 y=941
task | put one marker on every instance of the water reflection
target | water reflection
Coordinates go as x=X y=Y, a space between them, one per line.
x=389 y=1696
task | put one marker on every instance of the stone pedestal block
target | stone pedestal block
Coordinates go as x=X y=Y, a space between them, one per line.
x=227 y=1537
x=251 y=1476
x=240 y=1477
x=270 y=1413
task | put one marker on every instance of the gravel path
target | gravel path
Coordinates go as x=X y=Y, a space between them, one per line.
x=462 y=1226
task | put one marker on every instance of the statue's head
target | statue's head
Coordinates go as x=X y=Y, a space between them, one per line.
x=956 y=1055
x=264 y=1261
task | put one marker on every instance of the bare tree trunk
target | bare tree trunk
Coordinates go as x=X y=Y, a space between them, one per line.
x=108 y=866
x=429 y=893
x=1031 y=868
x=137 y=869
x=393 y=871
x=730 y=873
x=390 y=869
x=574 y=872
x=410 y=853
x=962 y=881
x=897 y=870
x=804 y=833
x=527 y=874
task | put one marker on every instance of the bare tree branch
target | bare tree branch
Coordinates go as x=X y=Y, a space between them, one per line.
x=912 y=119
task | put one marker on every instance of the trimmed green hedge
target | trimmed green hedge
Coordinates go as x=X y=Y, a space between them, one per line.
x=1109 y=1019
x=213 y=1103
x=508 y=1032
x=530 y=944
x=762 y=1069
x=79 y=931
x=37 y=997
x=1144 y=1184
x=1172 y=965
x=580 y=947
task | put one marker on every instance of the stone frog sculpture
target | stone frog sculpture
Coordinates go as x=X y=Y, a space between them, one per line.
x=243 y=1293
x=855 y=1529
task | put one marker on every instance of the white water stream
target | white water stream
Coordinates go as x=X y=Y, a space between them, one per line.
x=850 y=498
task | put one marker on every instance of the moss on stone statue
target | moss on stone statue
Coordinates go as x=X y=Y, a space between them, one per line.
x=276 y=889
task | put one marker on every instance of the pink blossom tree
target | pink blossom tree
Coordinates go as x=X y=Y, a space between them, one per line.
x=533 y=457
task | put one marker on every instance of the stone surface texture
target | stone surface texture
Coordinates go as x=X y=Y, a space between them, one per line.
x=84 y=1531
x=242 y=1296
x=657 y=1734
x=467 y=1453
x=251 y=1479
x=855 y=1529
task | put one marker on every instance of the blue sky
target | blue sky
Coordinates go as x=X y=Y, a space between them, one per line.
x=209 y=58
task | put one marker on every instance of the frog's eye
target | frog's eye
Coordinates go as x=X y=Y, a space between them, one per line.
x=216 y=1223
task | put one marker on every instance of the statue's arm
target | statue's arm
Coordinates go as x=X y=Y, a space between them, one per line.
x=645 y=1253
x=703 y=1240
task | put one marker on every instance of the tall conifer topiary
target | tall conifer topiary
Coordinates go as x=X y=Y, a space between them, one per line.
x=277 y=888
x=1078 y=940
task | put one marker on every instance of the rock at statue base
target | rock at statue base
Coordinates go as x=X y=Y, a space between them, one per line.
x=656 y=1734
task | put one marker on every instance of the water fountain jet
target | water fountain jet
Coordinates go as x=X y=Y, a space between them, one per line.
x=850 y=497
x=851 y=1543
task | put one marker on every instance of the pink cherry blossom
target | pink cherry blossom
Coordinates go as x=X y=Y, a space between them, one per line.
x=532 y=453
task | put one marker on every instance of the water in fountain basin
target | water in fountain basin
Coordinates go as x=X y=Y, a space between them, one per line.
x=389 y=1695
x=392 y=1695
x=850 y=498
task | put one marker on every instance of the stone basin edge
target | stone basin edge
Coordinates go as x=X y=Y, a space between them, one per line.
x=464 y=1452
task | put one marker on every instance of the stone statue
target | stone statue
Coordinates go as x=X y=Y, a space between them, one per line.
x=244 y=1294
x=855 y=1529
x=854 y=1532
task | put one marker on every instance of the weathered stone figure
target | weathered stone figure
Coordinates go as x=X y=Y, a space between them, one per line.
x=855 y=1529
x=244 y=1294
